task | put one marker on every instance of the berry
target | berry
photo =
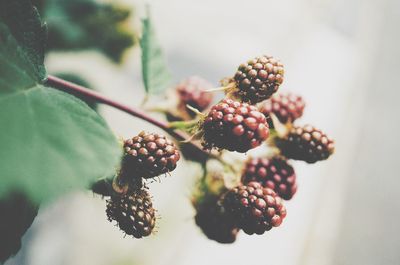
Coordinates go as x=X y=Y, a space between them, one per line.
x=307 y=144
x=274 y=173
x=286 y=107
x=214 y=222
x=234 y=126
x=192 y=91
x=149 y=155
x=254 y=208
x=134 y=213
x=259 y=78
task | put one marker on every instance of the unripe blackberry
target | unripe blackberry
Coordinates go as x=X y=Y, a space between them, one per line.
x=307 y=144
x=192 y=91
x=149 y=155
x=133 y=213
x=259 y=78
x=274 y=173
x=286 y=107
x=255 y=209
x=214 y=222
x=234 y=126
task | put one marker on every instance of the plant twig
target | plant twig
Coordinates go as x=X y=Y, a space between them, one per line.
x=69 y=87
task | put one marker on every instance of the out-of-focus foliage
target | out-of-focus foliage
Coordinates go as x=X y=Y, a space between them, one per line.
x=87 y=24
x=17 y=215
x=156 y=77
x=22 y=42
x=51 y=142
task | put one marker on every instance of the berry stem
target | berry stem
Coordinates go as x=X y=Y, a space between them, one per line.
x=216 y=89
x=67 y=87
x=221 y=88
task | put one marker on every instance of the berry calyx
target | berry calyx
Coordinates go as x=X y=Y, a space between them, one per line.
x=149 y=155
x=254 y=208
x=306 y=143
x=286 y=107
x=234 y=126
x=133 y=213
x=274 y=173
x=258 y=79
x=192 y=92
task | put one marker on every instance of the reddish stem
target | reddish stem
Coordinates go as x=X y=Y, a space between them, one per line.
x=68 y=87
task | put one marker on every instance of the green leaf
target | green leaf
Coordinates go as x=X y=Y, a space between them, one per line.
x=24 y=22
x=51 y=142
x=156 y=76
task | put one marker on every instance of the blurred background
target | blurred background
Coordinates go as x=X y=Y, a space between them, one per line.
x=341 y=56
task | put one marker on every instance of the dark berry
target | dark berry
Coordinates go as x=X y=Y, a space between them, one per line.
x=259 y=78
x=133 y=213
x=306 y=143
x=274 y=173
x=234 y=126
x=214 y=222
x=149 y=155
x=286 y=107
x=255 y=209
x=192 y=91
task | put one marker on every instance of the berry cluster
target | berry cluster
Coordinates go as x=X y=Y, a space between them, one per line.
x=253 y=201
x=133 y=213
x=306 y=143
x=149 y=155
x=214 y=221
x=274 y=173
x=237 y=124
x=146 y=155
x=258 y=79
x=286 y=107
x=254 y=208
x=192 y=92
x=234 y=126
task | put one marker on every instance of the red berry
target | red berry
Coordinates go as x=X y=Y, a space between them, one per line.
x=133 y=213
x=192 y=91
x=254 y=209
x=149 y=155
x=274 y=173
x=286 y=107
x=258 y=79
x=234 y=126
x=306 y=143
x=214 y=222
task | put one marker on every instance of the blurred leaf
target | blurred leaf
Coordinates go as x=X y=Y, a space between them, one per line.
x=25 y=25
x=87 y=24
x=17 y=215
x=51 y=142
x=156 y=77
